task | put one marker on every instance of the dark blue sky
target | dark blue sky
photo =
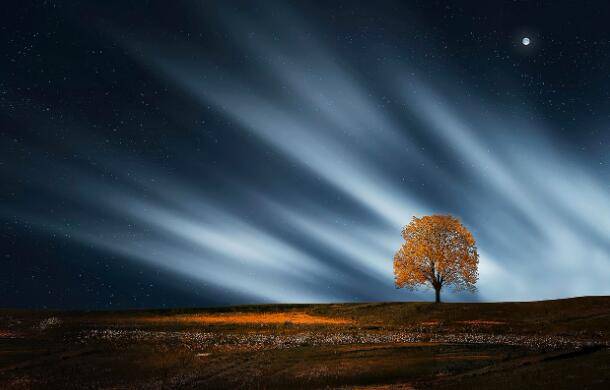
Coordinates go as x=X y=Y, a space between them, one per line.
x=235 y=152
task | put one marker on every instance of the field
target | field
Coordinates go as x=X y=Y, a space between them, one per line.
x=562 y=344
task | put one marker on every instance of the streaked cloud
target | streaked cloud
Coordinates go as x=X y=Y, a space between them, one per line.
x=372 y=147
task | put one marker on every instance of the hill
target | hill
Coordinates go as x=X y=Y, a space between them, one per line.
x=548 y=344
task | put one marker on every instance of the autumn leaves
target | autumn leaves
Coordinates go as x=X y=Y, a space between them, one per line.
x=438 y=251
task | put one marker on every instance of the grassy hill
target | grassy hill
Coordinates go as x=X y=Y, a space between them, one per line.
x=548 y=344
x=582 y=315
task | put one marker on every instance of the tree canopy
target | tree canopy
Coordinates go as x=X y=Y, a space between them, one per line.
x=438 y=251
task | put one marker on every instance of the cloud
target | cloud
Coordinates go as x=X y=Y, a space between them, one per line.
x=370 y=149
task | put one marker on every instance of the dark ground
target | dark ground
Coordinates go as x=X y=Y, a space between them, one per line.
x=563 y=344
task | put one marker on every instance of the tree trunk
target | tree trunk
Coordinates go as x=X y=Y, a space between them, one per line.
x=437 y=290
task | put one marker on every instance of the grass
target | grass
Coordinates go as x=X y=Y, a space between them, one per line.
x=383 y=345
x=237 y=318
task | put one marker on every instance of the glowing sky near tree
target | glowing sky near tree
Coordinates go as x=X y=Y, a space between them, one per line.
x=236 y=153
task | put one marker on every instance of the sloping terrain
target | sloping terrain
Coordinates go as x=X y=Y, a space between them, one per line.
x=548 y=344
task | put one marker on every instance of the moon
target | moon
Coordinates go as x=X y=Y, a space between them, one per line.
x=525 y=41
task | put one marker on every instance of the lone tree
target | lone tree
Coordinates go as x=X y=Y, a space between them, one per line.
x=438 y=251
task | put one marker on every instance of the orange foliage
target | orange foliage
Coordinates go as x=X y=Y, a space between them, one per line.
x=438 y=251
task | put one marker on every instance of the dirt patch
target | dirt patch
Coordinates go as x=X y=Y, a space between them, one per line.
x=464 y=357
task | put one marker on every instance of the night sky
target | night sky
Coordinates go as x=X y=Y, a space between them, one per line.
x=157 y=154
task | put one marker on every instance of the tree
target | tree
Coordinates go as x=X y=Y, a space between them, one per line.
x=438 y=251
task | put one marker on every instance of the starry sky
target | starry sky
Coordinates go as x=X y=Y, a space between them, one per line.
x=226 y=152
